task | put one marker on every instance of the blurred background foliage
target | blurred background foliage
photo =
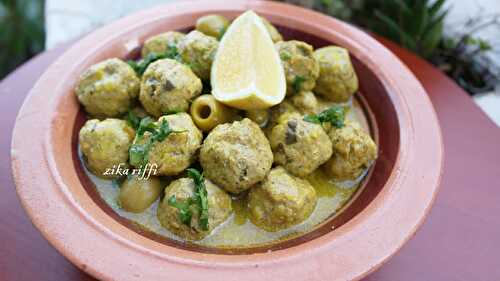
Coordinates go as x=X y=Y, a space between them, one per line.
x=22 y=32
x=414 y=24
x=463 y=56
x=418 y=26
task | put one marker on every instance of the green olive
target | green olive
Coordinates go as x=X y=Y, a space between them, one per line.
x=212 y=25
x=207 y=113
x=137 y=194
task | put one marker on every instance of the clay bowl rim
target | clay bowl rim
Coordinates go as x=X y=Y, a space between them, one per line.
x=52 y=198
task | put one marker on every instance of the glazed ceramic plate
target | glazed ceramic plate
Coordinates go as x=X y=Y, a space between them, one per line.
x=392 y=203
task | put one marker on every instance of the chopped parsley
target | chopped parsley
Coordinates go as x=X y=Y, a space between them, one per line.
x=184 y=208
x=138 y=153
x=199 y=200
x=285 y=55
x=133 y=120
x=141 y=65
x=159 y=131
x=297 y=83
x=335 y=115
x=200 y=196
x=145 y=125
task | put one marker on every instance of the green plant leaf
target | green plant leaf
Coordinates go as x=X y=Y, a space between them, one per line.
x=438 y=19
x=423 y=21
x=436 y=7
x=403 y=7
x=326 y=3
x=431 y=40
x=404 y=38
x=21 y=32
x=484 y=45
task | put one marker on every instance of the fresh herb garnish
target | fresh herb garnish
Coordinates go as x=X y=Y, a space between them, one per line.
x=200 y=196
x=199 y=200
x=297 y=83
x=184 y=208
x=141 y=65
x=335 y=115
x=159 y=131
x=285 y=55
x=133 y=120
x=145 y=125
x=138 y=153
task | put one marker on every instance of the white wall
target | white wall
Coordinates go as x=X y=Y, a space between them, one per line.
x=461 y=10
x=70 y=19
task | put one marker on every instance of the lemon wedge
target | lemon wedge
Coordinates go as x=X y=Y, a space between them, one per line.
x=247 y=71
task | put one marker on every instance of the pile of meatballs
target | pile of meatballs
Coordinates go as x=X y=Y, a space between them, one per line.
x=260 y=155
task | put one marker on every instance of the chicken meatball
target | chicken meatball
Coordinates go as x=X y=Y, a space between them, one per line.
x=337 y=80
x=353 y=152
x=108 y=88
x=273 y=32
x=236 y=156
x=161 y=42
x=300 y=146
x=168 y=86
x=281 y=111
x=198 y=51
x=105 y=144
x=305 y=102
x=281 y=201
x=178 y=150
x=137 y=194
x=212 y=25
x=301 y=69
x=219 y=209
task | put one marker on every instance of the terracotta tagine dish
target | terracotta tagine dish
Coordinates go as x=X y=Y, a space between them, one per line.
x=227 y=140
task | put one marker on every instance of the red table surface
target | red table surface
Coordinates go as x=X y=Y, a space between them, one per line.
x=460 y=239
